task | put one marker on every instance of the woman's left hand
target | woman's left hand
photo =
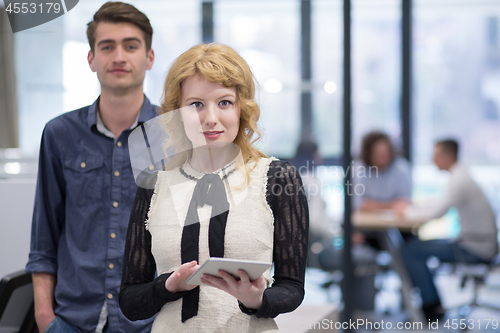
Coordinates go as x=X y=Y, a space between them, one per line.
x=249 y=293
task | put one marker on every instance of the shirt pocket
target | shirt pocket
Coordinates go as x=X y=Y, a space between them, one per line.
x=84 y=179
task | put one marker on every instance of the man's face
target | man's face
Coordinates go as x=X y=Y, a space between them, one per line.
x=440 y=158
x=120 y=58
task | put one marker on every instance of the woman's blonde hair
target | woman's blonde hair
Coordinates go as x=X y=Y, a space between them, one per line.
x=218 y=63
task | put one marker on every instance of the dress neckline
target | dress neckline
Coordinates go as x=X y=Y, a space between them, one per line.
x=189 y=172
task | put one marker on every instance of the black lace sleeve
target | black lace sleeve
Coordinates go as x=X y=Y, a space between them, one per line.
x=142 y=295
x=285 y=195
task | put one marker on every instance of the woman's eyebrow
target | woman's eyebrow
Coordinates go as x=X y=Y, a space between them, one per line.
x=194 y=98
x=201 y=99
x=228 y=95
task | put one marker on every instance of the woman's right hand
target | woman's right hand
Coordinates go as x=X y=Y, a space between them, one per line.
x=176 y=282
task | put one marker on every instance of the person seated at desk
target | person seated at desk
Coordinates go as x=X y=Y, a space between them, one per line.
x=385 y=177
x=306 y=159
x=477 y=241
x=321 y=252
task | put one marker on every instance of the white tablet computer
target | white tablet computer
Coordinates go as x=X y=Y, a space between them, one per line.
x=212 y=266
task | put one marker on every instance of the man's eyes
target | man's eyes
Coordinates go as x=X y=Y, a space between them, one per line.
x=129 y=47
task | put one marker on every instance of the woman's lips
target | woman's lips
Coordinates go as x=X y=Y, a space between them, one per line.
x=212 y=134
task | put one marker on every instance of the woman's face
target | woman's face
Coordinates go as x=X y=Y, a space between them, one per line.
x=216 y=113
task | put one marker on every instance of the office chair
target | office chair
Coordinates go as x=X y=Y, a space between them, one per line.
x=477 y=274
x=17 y=313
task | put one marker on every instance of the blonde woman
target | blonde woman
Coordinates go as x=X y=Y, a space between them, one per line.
x=259 y=210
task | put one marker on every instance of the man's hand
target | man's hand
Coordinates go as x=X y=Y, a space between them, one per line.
x=249 y=293
x=374 y=205
x=358 y=238
x=399 y=207
x=43 y=320
x=43 y=289
x=176 y=282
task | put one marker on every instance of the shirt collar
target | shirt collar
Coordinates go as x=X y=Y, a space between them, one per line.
x=93 y=117
x=104 y=130
x=454 y=167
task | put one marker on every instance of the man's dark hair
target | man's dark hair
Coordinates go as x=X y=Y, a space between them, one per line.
x=307 y=148
x=305 y=155
x=369 y=140
x=449 y=146
x=120 y=12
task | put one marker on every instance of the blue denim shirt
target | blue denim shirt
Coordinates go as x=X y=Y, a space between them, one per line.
x=84 y=194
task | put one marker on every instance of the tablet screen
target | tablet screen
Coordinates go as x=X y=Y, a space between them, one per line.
x=254 y=269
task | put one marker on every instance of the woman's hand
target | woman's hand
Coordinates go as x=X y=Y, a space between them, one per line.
x=176 y=282
x=249 y=293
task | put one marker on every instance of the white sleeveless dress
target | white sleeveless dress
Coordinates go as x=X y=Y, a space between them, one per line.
x=249 y=236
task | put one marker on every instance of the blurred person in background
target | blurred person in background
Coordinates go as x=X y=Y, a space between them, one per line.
x=477 y=241
x=384 y=175
x=385 y=179
x=322 y=229
x=306 y=160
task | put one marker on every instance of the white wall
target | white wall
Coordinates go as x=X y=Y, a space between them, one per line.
x=16 y=208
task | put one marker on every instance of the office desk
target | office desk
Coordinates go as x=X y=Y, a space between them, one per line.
x=383 y=220
x=309 y=318
x=389 y=225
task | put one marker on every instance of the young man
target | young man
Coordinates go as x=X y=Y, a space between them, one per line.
x=85 y=187
x=477 y=241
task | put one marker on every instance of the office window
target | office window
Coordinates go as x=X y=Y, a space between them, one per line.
x=267 y=35
x=456 y=54
x=39 y=74
x=457 y=77
x=376 y=68
x=456 y=84
x=327 y=73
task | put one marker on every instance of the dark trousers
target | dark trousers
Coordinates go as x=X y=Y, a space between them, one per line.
x=58 y=325
x=416 y=254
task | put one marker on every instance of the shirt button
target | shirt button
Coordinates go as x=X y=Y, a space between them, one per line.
x=119 y=143
x=151 y=167
x=83 y=165
x=117 y=173
x=115 y=204
x=111 y=266
x=110 y=296
x=113 y=235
